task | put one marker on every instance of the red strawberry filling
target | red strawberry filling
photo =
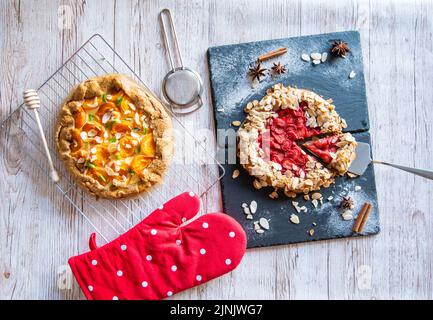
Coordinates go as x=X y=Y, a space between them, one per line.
x=323 y=148
x=279 y=140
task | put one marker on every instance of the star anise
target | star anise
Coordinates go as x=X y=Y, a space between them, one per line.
x=257 y=71
x=347 y=203
x=278 y=68
x=340 y=48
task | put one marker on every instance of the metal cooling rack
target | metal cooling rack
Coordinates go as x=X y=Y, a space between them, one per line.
x=108 y=218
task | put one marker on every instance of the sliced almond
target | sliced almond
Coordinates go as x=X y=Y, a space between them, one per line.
x=315 y=203
x=260 y=231
x=247 y=210
x=106 y=117
x=294 y=219
x=316 y=56
x=249 y=217
x=316 y=196
x=253 y=207
x=311 y=232
x=235 y=174
x=264 y=223
x=305 y=57
x=236 y=123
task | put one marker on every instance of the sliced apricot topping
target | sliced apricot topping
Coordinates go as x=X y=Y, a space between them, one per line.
x=101 y=153
x=94 y=129
x=122 y=127
x=77 y=142
x=147 y=147
x=139 y=163
x=106 y=107
x=100 y=175
x=79 y=117
x=127 y=146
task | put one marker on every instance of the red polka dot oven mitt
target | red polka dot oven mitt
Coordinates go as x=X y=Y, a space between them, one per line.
x=162 y=255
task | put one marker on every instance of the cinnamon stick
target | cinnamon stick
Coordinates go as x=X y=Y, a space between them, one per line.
x=365 y=218
x=366 y=207
x=272 y=54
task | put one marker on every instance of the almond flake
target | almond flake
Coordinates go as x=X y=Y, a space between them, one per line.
x=83 y=135
x=106 y=117
x=235 y=174
x=311 y=232
x=128 y=146
x=253 y=206
x=118 y=135
x=305 y=57
x=98 y=139
x=92 y=133
x=244 y=205
x=93 y=150
x=137 y=118
x=330 y=198
x=324 y=57
x=316 y=62
x=264 y=223
x=236 y=123
x=249 y=217
x=247 y=210
x=352 y=74
x=316 y=196
x=358 y=188
x=135 y=135
x=315 y=203
x=316 y=56
x=294 y=218
x=260 y=231
x=131 y=106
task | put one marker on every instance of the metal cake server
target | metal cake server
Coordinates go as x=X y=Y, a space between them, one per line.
x=363 y=159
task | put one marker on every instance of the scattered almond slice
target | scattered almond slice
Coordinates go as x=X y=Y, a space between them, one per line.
x=330 y=198
x=316 y=56
x=235 y=174
x=347 y=215
x=253 y=207
x=264 y=223
x=260 y=231
x=316 y=196
x=247 y=211
x=315 y=203
x=236 y=123
x=256 y=225
x=352 y=74
x=324 y=57
x=358 y=188
x=273 y=195
x=307 y=197
x=249 y=217
x=305 y=57
x=316 y=62
x=244 y=205
x=311 y=232
x=294 y=219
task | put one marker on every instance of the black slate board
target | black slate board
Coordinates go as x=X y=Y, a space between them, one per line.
x=231 y=90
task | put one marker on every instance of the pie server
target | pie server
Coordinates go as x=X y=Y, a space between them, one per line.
x=363 y=159
x=182 y=87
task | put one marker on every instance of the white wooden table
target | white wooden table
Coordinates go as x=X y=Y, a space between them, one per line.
x=36 y=240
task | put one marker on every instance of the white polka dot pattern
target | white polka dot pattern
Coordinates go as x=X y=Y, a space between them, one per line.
x=149 y=257
x=90 y=288
x=178 y=242
x=191 y=194
x=119 y=273
x=198 y=278
x=153 y=232
x=169 y=294
x=94 y=262
x=205 y=225
x=231 y=234
x=144 y=284
x=202 y=251
x=173 y=268
x=115 y=298
x=123 y=247
x=228 y=262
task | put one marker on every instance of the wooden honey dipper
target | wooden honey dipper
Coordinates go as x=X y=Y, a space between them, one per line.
x=33 y=102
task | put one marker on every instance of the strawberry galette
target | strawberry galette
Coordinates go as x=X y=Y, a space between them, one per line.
x=270 y=141
x=115 y=138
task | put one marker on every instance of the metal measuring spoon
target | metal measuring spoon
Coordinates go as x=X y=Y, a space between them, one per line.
x=182 y=87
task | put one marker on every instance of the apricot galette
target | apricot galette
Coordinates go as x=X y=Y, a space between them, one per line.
x=114 y=136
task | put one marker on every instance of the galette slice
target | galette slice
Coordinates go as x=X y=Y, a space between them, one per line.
x=336 y=151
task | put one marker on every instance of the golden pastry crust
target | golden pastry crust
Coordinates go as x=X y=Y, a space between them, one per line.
x=318 y=116
x=123 y=142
